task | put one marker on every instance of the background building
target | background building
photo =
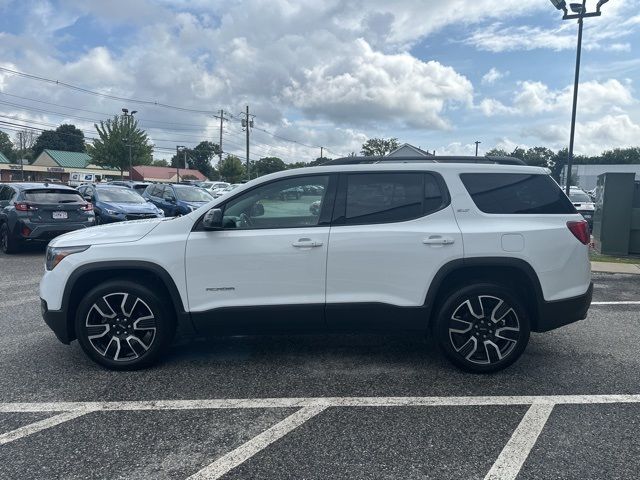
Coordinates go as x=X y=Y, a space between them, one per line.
x=148 y=173
x=586 y=176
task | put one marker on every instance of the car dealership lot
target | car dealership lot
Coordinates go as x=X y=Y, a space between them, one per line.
x=347 y=406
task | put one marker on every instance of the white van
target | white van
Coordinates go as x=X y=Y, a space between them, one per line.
x=78 y=178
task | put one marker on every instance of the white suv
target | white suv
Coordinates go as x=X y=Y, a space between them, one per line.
x=477 y=255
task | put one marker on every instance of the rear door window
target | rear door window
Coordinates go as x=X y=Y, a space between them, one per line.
x=51 y=196
x=390 y=197
x=516 y=193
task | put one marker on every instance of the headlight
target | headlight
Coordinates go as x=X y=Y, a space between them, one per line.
x=111 y=212
x=56 y=254
x=160 y=213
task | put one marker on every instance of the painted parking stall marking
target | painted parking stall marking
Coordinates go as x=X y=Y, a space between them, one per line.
x=506 y=467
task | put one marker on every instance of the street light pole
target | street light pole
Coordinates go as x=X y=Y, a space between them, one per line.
x=129 y=117
x=477 y=142
x=580 y=13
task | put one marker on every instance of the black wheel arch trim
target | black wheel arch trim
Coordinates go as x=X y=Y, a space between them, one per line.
x=548 y=315
x=142 y=266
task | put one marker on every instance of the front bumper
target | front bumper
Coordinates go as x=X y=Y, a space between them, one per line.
x=556 y=314
x=56 y=320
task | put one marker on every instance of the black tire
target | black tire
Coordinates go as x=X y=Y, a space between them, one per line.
x=474 y=314
x=8 y=244
x=127 y=343
x=98 y=220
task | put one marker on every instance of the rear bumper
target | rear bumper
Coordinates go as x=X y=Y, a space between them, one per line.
x=56 y=320
x=43 y=232
x=559 y=313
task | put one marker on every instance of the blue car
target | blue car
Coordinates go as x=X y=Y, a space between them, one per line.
x=117 y=204
x=176 y=199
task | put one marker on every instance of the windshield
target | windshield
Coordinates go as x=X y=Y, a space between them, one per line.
x=579 y=197
x=192 y=194
x=53 y=196
x=119 y=195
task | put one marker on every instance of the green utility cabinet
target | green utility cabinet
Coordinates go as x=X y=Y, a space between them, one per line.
x=634 y=235
x=612 y=217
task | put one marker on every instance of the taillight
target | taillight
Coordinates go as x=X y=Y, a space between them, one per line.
x=26 y=231
x=580 y=230
x=24 y=207
x=87 y=207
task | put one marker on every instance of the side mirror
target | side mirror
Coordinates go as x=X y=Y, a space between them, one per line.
x=88 y=198
x=257 y=210
x=212 y=219
x=170 y=199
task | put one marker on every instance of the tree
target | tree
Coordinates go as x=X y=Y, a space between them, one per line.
x=231 y=169
x=539 y=157
x=496 y=152
x=379 y=146
x=6 y=145
x=200 y=158
x=48 y=139
x=111 y=148
x=66 y=137
x=23 y=141
x=297 y=165
x=72 y=137
x=160 y=163
x=268 y=165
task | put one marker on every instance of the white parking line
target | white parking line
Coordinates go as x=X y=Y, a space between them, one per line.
x=517 y=449
x=40 y=425
x=247 y=450
x=238 y=403
x=617 y=303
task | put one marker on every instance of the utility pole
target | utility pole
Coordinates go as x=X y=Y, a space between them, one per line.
x=477 y=142
x=221 y=126
x=321 y=148
x=247 y=130
x=21 y=155
x=247 y=123
x=130 y=124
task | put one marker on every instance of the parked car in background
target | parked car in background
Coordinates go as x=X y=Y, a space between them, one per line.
x=78 y=178
x=219 y=192
x=176 y=199
x=213 y=187
x=38 y=212
x=112 y=203
x=139 y=187
x=584 y=204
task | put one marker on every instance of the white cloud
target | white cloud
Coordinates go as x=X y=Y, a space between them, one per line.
x=367 y=85
x=593 y=136
x=492 y=76
x=603 y=33
x=534 y=98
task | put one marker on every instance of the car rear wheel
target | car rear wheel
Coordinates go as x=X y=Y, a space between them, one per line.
x=124 y=326
x=8 y=244
x=482 y=328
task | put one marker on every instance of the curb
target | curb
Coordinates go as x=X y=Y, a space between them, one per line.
x=608 y=267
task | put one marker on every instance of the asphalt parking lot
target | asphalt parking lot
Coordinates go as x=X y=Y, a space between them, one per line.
x=321 y=407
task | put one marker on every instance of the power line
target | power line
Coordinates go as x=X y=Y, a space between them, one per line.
x=146 y=102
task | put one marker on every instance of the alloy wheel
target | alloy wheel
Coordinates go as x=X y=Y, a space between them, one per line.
x=120 y=327
x=484 y=329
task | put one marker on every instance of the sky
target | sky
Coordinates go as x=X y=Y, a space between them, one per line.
x=332 y=73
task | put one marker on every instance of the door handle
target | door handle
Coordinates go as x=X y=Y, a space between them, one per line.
x=438 y=240
x=306 y=243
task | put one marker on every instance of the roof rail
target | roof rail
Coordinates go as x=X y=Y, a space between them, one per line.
x=430 y=159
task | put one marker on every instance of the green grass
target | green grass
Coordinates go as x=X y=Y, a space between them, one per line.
x=596 y=257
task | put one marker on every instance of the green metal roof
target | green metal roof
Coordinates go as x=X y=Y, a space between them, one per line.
x=69 y=159
x=3 y=159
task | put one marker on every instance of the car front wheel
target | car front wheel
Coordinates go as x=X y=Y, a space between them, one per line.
x=483 y=328
x=124 y=326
